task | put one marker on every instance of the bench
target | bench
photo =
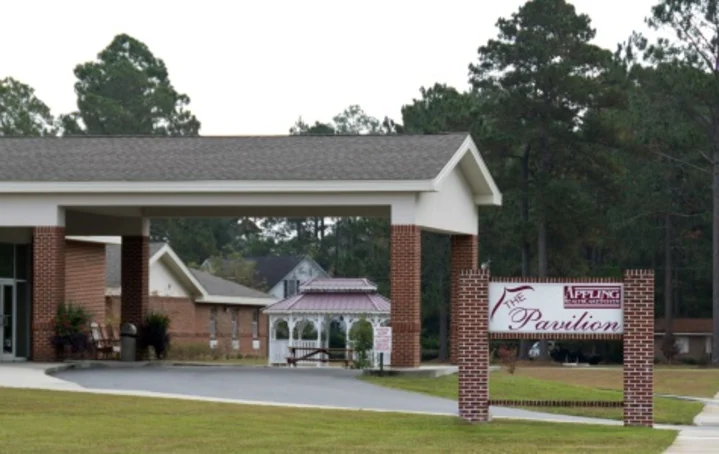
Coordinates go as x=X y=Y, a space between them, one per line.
x=293 y=359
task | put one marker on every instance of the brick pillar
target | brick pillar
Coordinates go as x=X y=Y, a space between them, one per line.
x=48 y=288
x=464 y=253
x=405 y=295
x=473 y=349
x=135 y=280
x=638 y=348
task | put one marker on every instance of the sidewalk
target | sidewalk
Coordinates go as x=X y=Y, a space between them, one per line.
x=701 y=439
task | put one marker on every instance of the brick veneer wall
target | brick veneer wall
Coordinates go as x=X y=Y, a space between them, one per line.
x=473 y=345
x=135 y=280
x=48 y=288
x=85 y=277
x=190 y=322
x=473 y=355
x=464 y=256
x=638 y=348
x=405 y=295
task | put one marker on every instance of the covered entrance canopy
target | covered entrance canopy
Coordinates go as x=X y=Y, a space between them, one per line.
x=112 y=186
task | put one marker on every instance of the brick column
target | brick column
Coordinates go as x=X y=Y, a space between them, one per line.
x=473 y=349
x=48 y=288
x=638 y=348
x=135 y=280
x=464 y=256
x=405 y=295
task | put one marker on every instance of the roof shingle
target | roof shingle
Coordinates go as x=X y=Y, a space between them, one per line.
x=295 y=158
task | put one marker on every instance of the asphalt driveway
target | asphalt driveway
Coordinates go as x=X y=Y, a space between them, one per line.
x=324 y=387
x=311 y=386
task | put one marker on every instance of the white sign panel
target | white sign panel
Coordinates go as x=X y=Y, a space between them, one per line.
x=383 y=339
x=571 y=308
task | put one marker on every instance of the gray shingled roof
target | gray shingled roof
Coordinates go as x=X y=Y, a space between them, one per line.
x=396 y=157
x=113 y=262
x=214 y=285
x=220 y=287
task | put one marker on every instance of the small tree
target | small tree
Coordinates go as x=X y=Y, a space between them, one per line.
x=362 y=339
x=508 y=357
x=670 y=349
x=155 y=333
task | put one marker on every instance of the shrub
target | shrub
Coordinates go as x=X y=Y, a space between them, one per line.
x=155 y=333
x=201 y=351
x=689 y=361
x=71 y=329
x=508 y=357
x=362 y=337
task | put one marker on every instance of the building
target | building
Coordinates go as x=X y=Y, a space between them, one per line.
x=203 y=308
x=54 y=187
x=693 y=337
x=281 y=275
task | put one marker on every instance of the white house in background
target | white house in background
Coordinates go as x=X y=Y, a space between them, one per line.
x=282 y=274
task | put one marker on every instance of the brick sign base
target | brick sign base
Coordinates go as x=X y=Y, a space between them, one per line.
x=473 y=344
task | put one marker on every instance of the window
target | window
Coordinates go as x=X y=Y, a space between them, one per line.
x=234 y=324
x=291 y=287
x=708 y=345
x=213 y=323
x=256 y=324
x=682 y=344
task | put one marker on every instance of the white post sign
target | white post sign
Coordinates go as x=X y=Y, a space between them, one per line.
x=570 y=308
x=383 y=339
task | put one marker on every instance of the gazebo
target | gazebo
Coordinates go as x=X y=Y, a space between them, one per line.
x=319 y=303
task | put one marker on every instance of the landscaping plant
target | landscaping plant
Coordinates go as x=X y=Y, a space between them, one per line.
x=155 y=333
x=71 y=329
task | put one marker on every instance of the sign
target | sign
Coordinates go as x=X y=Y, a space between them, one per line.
x=568 y=308
x=383 y=339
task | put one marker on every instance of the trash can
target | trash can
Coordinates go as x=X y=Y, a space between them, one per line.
x=128 y=342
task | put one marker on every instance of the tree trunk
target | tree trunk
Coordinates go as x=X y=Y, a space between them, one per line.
x=715 y=258
x=524 y=344
x=542 y=260
x=668 y=293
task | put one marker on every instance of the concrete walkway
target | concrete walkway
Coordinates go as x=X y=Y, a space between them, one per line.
x=704 y=438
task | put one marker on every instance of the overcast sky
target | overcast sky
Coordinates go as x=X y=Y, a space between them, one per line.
x=255 y=67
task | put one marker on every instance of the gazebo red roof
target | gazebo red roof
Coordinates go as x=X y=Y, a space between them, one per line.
x=334 y=295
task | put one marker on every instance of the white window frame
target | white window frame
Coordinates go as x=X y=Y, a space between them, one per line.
x=213 y=323
x=682 y=343
x=256 y=323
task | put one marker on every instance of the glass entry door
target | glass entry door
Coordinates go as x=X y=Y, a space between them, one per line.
x=8 y=315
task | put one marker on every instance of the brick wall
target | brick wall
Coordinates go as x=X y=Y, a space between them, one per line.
x=473 y=345
x=85 y=277
x=405 y=295
x=190 y=322
x=48 y=288
x=464 y=256
x=638 y=348
x=135 y=280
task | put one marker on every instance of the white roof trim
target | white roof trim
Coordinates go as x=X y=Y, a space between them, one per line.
x=96 y=239
x=468 y=146
x=260 y=186
x=235 y=300
x=166 y=250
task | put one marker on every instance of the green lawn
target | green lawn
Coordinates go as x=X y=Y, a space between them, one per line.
x=67 y=422
x=505 y=386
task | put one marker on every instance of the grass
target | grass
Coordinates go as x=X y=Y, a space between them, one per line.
x=63 y=422
x=681 y=381
x=555 y=384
